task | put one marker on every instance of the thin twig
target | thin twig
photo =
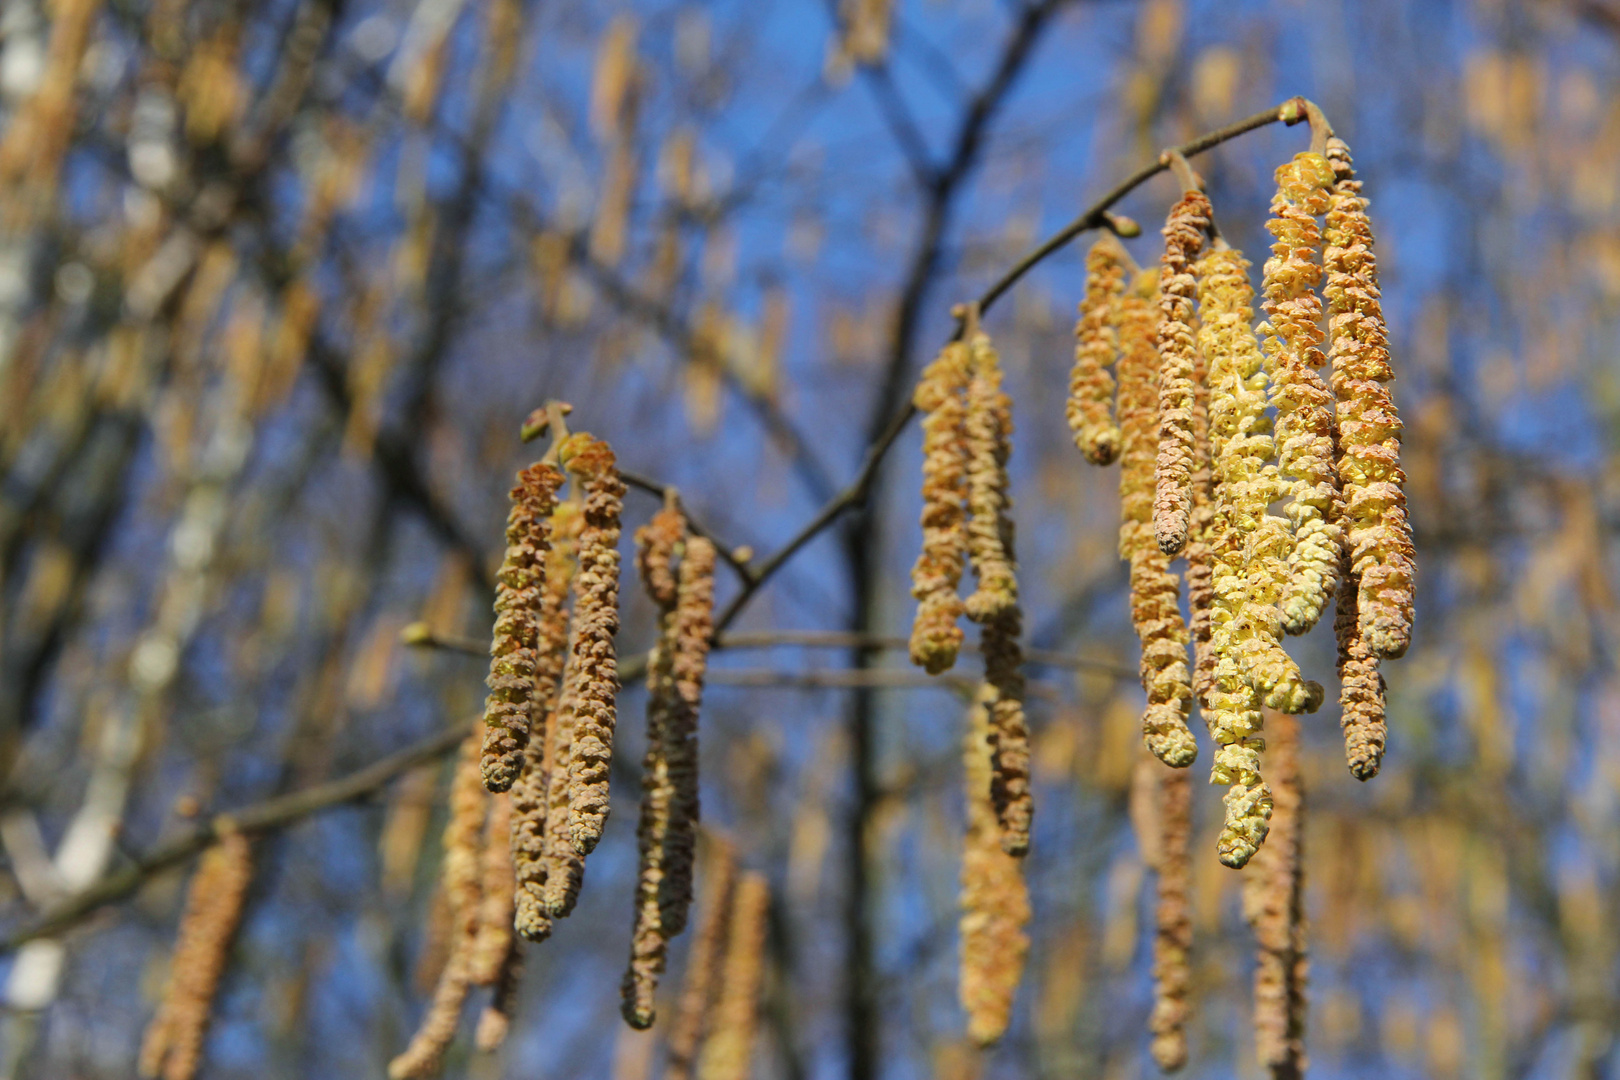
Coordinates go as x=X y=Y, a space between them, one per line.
x=726 y=551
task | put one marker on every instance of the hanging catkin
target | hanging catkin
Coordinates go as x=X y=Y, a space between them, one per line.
x=1273 y=903
x=562 y=866
x=995 y=900
x=1293 y=338
x=729 y=1049
x=989 y=443
x=1155 y=607
x=1009 y=730
x=1200 y=526
x=529 y=795
x=1361 y=686
x=517 y=603
x=1378 y=534
x=1172 y=937
x=703 y=965
x=594 y=669
x=492 y=940
x=940 y=395
x=173 y=1045
x=496 y=1019
x=1091 y=387
x=1184 y=234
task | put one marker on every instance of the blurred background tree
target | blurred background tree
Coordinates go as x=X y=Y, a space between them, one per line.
x=279 y=281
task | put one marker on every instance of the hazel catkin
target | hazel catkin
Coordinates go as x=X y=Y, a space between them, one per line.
x=988 y=428
x=1361 y=685
x=1273 y=903
x=1184 y=233
x=517 y=602
x=728 y=1050
x=704 y=964
x=1155 y=608
x=492 y=938
x=1090 y=409
x=1172 y=935
x=937 y=574
x=1293 y=338
x=1377 y=532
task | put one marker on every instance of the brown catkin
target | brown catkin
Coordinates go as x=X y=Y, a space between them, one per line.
x=941 y=396
x=1184 y=234
x=496 y=1019
x=173 y=1045
x=729 y=1049
x=1378 y=535
x=508 y=709
x=1009 y=730
x=1273 y=903
x=656 y=543
x=1172 y=937
x=995 y=899
x=1361 y=686
x=1293 y=338
x=1155 y=603
x=1091 y=388
x=492 y=940
x=530 y=793
x=594 y=667
x=703 y=966
x=562 y=866
x=1200 y=528
x=989 y=443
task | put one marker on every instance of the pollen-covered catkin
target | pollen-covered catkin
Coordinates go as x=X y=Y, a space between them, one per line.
x=995 y=899
x=703 y=965
x=1273 y=903
x=989 y=443
x=1155 y=606
x=595 y=679
x=496 y=1019
x=1009 y=730
x=1377 y=532
x=493 y=938
x=941 y=396
x=173 y=1045
x=1200 y=527
x=729 y=1049
x=1172 y=498
x=1172 y=936
x=530 y=793
x=562 y=866
x=1361 y=686
x=517 y=603
x=1091 y=388
x=1293 y=339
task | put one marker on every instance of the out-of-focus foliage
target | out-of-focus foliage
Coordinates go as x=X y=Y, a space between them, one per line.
x=280 y=280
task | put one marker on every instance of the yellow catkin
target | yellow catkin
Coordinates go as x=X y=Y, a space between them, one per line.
x=1155 y=604
x=703 y=967
x=1293 y=338
x=1248 y=549
x=496 y=1019
x=529 y=795
x=173 y=1045
x=989 y=443
x=1200 y=526
x=1361 y=687
x=995 y=899
x=1273 y=903
x=1172 y=937
x=940 y=395
x=517 y=604
x=593 y=665
x=1184 y=234
x=1091 y=388
x=729 y=1049
x=493 y=938
x=1377 y=532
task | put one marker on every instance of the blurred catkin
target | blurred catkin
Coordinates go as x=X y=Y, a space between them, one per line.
x=173 y=1045
x=492 y=940
x=1009 y=730
x=1091 y=388
x=1155 y=607
x=1172 y=937
x=729 y=1048
x=1378 y=535
x=593 y=665
x=1361 y=686
x=496 y=1019
x=1184 y=234
x=989 y=443
x=1293 y=339
x=995 y=899
x=531 y=792
x=517 y=605
x=1273 y=903
x=703 y=965
x=940 y=395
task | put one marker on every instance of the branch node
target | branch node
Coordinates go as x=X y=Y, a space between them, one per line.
x=1183 y=172
x=1120 y=225
x=548 y=417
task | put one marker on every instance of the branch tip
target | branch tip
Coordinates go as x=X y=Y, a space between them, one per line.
x=1120 y=225
x=548 y=417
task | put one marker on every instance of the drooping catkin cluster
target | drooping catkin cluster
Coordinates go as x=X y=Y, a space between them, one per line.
x=1377 y=533
x=704 y=965
x=995 y=899
x=988 y=428
x=1273 y=903
x=1184 y=234
x=667 y=833
x=941 y=397
x=1155 y=607
x=517 y=603
x=173 y=1045
x=729 y=1048
x=1172 y=936
x=1305 y=416
x=1091 y=388
x=593 y=680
